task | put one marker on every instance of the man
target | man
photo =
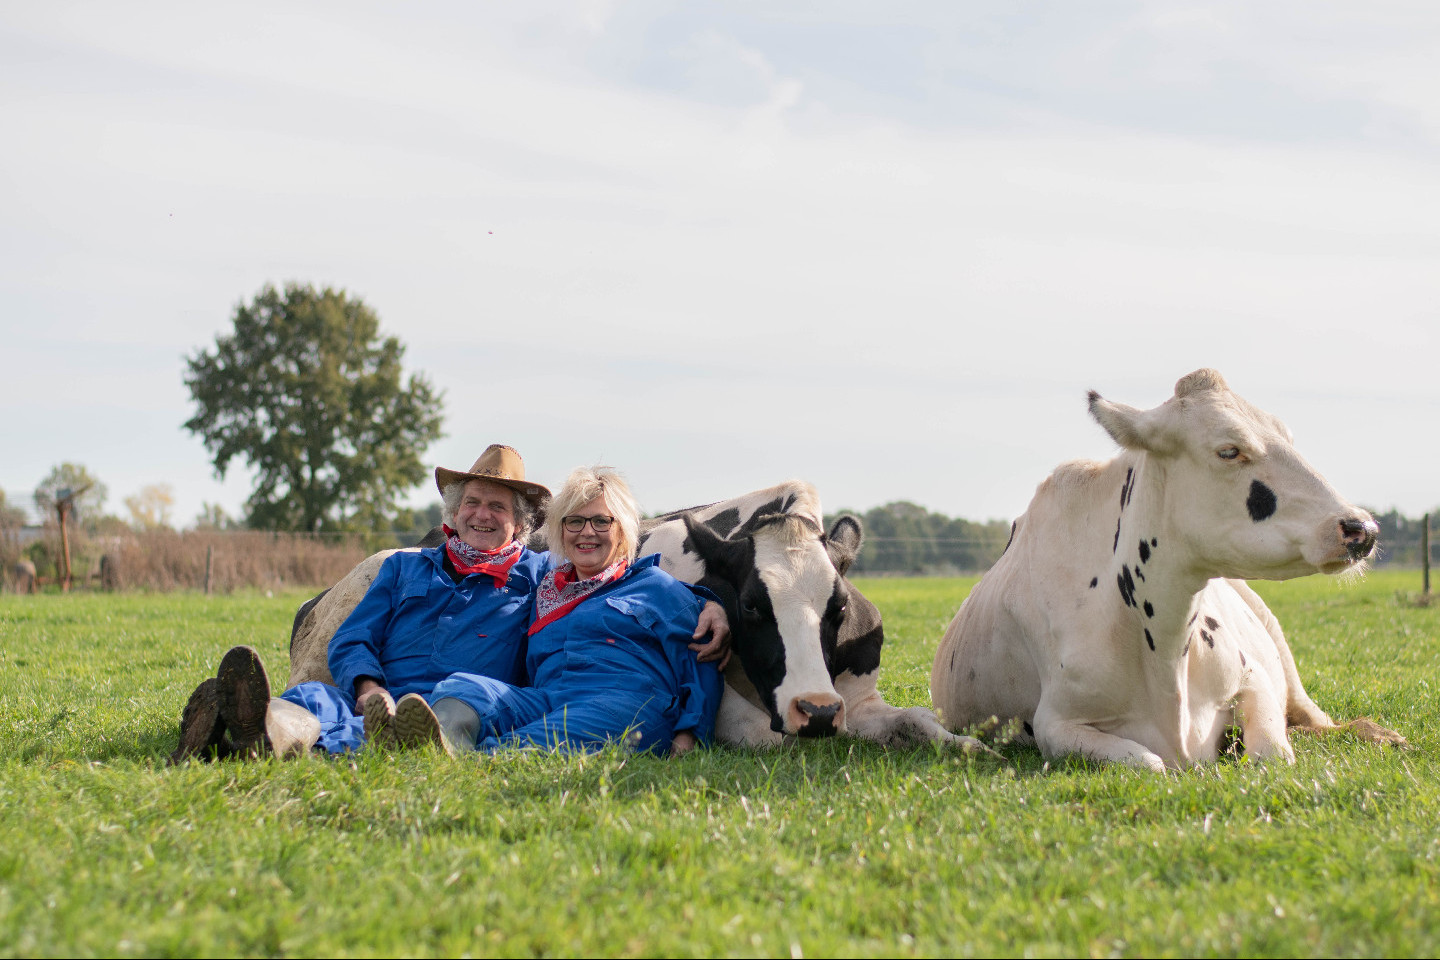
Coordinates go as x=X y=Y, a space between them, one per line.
x=463 y=606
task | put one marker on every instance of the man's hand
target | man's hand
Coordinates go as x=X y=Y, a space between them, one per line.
x=713 y=622
x=682 y=744
x=365 y=688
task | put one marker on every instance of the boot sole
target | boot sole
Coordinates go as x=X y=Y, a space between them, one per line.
x=415 y=724
x=379 y=721
x=201 y=732
x=244 y=696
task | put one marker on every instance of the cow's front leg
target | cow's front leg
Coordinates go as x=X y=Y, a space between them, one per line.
x=1057 y=737
x=741 y=723
x=1261 y=717
x=869 y=717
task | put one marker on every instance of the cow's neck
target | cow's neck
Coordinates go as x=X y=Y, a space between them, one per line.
x=1158 y=586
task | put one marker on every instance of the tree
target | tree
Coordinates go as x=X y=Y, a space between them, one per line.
x=150 y=508
x=212 y=516
x=310 y=395
x=66 y=479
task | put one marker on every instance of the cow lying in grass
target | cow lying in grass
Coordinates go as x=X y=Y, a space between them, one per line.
x=1118 y=625
x=807 y=643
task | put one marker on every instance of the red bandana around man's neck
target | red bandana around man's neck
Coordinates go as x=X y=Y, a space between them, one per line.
x=559 y=592
x=468 y=559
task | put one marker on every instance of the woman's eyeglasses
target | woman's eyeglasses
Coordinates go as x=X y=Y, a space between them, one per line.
x=576 y=524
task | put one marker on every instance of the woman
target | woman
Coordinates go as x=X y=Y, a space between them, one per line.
x=608 y=658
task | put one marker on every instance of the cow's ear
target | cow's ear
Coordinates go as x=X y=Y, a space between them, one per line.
x=1132 y=428
x=725 y=558
x=843 y=542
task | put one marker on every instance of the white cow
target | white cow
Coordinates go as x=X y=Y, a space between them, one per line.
x=1118 y=625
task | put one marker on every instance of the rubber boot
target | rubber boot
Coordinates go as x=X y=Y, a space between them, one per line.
x=415 y=724
x=243 y=693
x=202 y=732
x=459 y=723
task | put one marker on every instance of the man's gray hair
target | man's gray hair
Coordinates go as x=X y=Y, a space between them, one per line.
x=525 y=512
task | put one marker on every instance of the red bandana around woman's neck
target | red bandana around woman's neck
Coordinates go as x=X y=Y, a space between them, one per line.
x=559 y=592
x=468 y=559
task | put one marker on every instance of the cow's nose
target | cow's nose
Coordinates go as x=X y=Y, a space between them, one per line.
x=818 y=716
x=1359 y=536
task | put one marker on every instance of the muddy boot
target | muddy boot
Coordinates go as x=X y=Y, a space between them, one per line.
x=379 y=713
x=459 y=723
x=243 y=691
x=416 y=725
x=202 y=732
x=290 y=729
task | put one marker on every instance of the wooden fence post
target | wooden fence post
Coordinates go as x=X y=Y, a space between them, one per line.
x=209 y=562
x=1425 y=553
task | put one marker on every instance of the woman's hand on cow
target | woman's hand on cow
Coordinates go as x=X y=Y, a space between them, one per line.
x=714 y=623
x=682 y=743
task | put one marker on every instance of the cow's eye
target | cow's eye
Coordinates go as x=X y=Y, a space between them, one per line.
x=1228 y=453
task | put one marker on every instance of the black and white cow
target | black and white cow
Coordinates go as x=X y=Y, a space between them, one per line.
x=807 y=643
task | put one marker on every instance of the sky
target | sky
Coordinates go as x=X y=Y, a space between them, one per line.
x=885 y=248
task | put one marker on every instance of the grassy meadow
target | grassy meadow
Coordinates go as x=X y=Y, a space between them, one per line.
x=821 y=848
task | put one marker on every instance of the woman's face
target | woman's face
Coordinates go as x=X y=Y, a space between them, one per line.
x=590 y=550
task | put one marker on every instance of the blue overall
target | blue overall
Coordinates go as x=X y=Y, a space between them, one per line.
x=616 y=667
x=414 y=627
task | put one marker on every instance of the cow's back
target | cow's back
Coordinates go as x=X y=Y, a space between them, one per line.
x=310 y=641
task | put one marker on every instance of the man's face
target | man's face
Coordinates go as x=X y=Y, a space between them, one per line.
x=485 y=518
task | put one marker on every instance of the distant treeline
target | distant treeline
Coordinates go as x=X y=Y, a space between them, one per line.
x=1400 y=538
x=905 y=538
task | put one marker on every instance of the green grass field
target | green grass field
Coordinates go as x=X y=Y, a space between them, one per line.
x=823 y=848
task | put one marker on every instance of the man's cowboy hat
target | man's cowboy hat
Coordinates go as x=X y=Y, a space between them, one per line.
x=498 y=464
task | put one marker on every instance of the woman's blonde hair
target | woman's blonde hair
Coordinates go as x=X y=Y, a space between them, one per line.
x=583 y=485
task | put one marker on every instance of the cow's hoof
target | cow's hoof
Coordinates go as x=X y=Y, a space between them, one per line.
x=1367 y=729
x=202 y=733
x=379 y=712
x=415 y=724
x=243 y=693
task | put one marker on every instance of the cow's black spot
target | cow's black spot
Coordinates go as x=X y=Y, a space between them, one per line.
x=1261 y=502
x=1126 y=583
x=1093 y=582
x=1144 y=552
x=1209 y=640
x=1013 y=525
x=1212 y=623
x=1029 y=730
x=1149 y=639
x=724 y=522
x=1127 y=487
x=972 y=675
x=1149 y=609
x=1154 y=542
x=1242 y=657
x=1192 y=618
x=1186 y=651
x=1116 y=545
x=1140 y=573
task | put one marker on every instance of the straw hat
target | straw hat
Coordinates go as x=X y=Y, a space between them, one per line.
x=498 y=464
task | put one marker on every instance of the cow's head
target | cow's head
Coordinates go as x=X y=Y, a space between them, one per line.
x=1235 y=490
x=787 y=602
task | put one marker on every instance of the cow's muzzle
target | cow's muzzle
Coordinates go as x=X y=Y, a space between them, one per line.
x=818 y=715
x=1359 y=536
